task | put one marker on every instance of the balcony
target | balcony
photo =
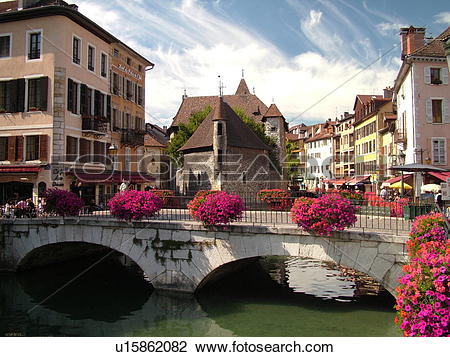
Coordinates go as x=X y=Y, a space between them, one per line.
x=399 y=137
x=132 y=137
x=94 y=125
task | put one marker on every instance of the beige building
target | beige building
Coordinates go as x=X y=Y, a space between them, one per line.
x=55 y=101
x=344 y=163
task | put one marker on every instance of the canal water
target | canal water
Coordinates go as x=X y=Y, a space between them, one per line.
x=270 y=297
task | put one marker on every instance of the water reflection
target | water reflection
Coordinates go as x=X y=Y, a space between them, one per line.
x=113 y=301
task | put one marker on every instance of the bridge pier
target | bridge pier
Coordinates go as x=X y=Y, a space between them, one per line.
x=182 y=256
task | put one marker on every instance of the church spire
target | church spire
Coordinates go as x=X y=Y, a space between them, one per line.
x=242 y=88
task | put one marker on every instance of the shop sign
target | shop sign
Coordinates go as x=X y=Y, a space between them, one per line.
x=58 y=177
x=130 y=72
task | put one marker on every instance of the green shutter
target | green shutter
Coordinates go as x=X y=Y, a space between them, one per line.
x=70 y=95
x=20 y=106
x=83 y=100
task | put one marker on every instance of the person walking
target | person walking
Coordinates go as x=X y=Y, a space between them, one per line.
x=438 y=200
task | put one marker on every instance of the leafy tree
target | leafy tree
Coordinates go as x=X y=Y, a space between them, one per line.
x=292 y=161
x=258 y=129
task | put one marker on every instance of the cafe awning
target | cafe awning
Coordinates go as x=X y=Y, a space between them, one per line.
x=112 y=177
x=443 y=176
x=338 y=181
x=358 y=179
x=20 y=169
x=395 y=179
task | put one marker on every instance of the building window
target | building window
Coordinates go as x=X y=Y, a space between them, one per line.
x=73 y=97
x=439 y=151
x=435 y=75
x=32 y=148
x=104 y=65
x=76 y=50
x=129 y=61
x=436 y=107
x=91 y=58
x=71 y=149
x=116 y=52
x=130 y=90
x=127 y=159
x=140 y=96
x=34 y=45
x=219 y=129
x=3 y=149
x=85 y=150
x=5 y=46
x=34 y=95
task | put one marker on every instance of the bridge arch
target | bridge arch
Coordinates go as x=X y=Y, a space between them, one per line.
x=182 y=257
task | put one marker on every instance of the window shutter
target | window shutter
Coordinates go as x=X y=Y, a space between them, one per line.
x=97 y=99
x=83 y=100
x=12 y=148
x=11 y=102
x=429 y=111
x=427 y=75
x=444 y=73
x=20 y=95
x=445 y=111
x=19 y=148
x=43 y=147
x=43 y=87
x=108 y=108
x=70 y=95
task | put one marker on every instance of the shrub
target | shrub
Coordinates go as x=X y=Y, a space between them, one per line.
x=423 y=296
x=351 y=195
x=195 y=204
x=324 y=214
x=62 y=203
x=276 y=199
x=218 y=208
x=134 y=205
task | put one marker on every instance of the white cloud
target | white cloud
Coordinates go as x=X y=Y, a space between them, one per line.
x=443 y=18
x=191 y=46
x=389 y=28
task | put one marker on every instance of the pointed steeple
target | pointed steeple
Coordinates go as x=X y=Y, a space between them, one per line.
x=242 y=88
x=273 y=112
x=219 y=110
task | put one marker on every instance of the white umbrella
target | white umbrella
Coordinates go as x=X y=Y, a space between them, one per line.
x=432 y=187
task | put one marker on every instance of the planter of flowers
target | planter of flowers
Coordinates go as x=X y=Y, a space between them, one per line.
x=216 y=208
x=423 y=296
x=323 y=215
x=135 y=205
x=62 y=203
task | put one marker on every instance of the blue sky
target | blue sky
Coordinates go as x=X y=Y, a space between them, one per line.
x=295 y=52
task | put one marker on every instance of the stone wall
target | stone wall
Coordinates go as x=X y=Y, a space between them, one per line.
x=182 y=256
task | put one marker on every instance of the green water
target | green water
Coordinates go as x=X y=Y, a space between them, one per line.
x=111 y=300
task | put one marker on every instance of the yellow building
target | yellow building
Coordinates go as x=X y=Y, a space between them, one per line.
x=344 y=146
x=370 y=113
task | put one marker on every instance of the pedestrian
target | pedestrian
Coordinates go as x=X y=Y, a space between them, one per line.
x=123 y=186
x=438 y=200
x=384 y=193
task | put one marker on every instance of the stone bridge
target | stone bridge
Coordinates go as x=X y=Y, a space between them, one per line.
x=186 y=256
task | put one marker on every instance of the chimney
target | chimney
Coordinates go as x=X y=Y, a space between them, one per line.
x=411 y=38
x=387 y=93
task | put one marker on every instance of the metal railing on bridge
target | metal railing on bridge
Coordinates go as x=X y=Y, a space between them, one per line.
x=371 y=214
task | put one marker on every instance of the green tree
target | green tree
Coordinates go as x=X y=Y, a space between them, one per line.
x=292 y=161
x=258 y=129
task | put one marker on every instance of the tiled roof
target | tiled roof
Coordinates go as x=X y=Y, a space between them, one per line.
x=435 y=48
x=292 y=137
x=249 y=103
x=152 y=141
x=242 y=88
x=366 y=98
x=238 y=133
x=273 y=112
x=321 y=136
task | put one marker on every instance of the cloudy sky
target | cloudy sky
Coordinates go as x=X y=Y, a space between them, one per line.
x=310 y=56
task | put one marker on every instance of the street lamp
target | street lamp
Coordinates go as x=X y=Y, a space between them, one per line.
x=112 y=151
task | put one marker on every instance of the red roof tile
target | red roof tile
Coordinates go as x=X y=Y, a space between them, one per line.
x=242 y=88
x=435 y=48
x=273 y=112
